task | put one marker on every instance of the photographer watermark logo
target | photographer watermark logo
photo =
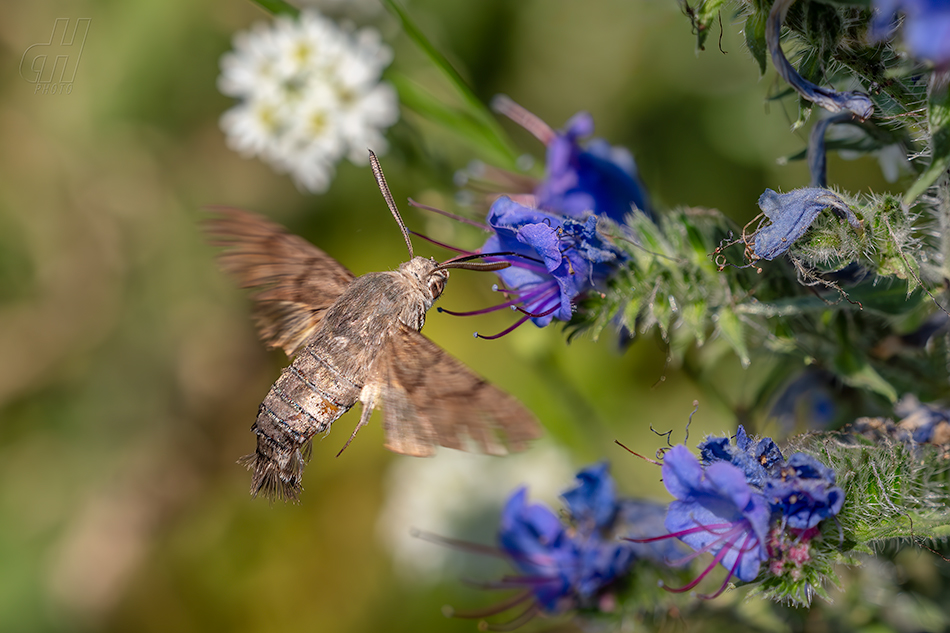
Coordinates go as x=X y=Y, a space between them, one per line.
x=51 y=66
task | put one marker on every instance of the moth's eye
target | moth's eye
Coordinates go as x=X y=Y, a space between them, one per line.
x=436 y=285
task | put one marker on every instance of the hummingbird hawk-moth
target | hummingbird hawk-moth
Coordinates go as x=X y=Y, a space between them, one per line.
x=356 y=339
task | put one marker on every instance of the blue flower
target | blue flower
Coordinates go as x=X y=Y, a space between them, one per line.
x=572 y=565
x=538 y=544
x=594 y=177
x=926 y=27
x=563 y=568
x=716 y=511
x=555 y=260
x=598 y=177
x=791 y=214
x=593 y=502
x=740 y=502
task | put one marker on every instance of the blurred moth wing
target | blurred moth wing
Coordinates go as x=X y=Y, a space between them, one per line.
x=295 y=282
x=355 y=339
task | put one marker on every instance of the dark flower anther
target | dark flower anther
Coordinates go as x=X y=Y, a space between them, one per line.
x=579 y=178
x=791 y=214
x=856 y=102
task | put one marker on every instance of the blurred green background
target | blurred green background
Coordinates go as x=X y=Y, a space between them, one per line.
x=130 y=372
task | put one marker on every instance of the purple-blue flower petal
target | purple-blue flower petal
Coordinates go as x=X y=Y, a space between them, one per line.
x=594 y=500
x=926 y=27
x=562 y=257
x=596 y=178
x=716 y=510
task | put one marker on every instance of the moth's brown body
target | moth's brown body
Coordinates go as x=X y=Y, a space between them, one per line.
x=355 y=340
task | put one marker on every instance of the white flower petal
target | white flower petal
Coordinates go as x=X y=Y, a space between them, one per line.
x=311 y=94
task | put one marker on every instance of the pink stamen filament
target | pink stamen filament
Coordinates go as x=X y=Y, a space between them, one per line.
x=495 y=609
x=528 y=315
x=520 y=619
x=732 y=572
x=687 y=532
x=502 y=104
x=521 y=263
x=443 y=245
x=466 y=546
x=518 y=323
x=449 y=214
x=507 y=304
x=509 y=582
x=733 y=532
x=545 y=312
x=719 y=556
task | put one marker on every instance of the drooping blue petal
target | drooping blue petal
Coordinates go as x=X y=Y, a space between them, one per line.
x=645 y=520
x=857 y=103
x=791 y=214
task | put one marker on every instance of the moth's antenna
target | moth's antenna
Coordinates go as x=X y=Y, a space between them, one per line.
x=384 y=189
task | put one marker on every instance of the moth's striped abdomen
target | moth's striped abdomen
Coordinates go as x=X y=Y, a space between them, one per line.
x=307 y=398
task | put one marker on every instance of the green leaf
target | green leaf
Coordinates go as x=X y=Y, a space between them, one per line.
x=754 y=32
x=730 y=327
x=459 y=122
x=694 y=316
x=278 y=7
x=473 y=106
x=856 y=372
x=631 y=311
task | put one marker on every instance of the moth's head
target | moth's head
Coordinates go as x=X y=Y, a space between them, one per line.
x=427 y=274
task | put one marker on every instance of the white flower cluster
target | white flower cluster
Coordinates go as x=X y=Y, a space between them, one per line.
x=310 y=94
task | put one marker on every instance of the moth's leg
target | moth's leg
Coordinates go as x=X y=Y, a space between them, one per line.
x=368 y=400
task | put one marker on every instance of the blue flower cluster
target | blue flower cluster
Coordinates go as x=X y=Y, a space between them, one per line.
x=556 y=252
x=560 y=258
x=739 y=497
x=574 y=565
